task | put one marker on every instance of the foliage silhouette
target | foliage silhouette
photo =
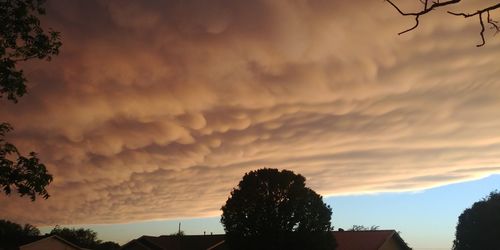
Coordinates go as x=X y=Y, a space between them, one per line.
x=363 y=228
x=273 y=210
x=108 y=245
x=25 y=174
x=479 y=226
x=22 y=38
x=179 y=233
x=81 y=237
x=12 y=234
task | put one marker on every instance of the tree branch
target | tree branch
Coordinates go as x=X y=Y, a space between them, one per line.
x=482 y=30
x=427 y=8
x=493 y=23
x=481 y=22
x=478 y=12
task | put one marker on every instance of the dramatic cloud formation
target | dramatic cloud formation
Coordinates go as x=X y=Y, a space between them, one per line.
x=155 y=109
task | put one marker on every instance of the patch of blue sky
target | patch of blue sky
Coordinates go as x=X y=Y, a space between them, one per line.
x=426 y=219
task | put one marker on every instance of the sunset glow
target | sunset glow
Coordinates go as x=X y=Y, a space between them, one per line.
x=154 y=110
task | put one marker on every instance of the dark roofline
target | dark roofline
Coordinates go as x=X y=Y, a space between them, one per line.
x=144 y=239
x=401 y=241
x=57 y=238
x=132 y=241
x=185 y=235
x=388 y=237
x=392 y=232
x=365 y=231
x=216 y=245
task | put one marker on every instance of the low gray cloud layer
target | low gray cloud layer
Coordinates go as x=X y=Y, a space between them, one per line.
x=155 y=109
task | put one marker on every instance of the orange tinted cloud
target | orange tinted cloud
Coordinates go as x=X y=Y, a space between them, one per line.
x=155 y=109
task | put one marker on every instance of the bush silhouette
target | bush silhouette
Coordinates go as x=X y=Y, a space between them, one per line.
x=479 y=226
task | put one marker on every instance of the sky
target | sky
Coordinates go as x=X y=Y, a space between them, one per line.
x=426 y=219
x=154 y=110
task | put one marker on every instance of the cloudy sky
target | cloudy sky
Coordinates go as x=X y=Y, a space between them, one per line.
x=155 y=109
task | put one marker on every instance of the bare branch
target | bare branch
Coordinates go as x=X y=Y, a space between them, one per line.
x=412 y=28
x=482 y=30
x=478 y=12
x=481 y=22
x=493 y=23
x=436 y=4
x=426 y=9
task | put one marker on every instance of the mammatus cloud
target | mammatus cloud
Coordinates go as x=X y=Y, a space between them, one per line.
x=155 y=109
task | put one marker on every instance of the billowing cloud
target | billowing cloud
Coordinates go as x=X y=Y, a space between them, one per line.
x=155 y=109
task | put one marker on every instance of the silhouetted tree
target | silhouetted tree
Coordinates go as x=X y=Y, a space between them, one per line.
x=85 y=238
x=24 y=174
x=81 y=237
x=479 y=226
x=21 y=39
x=363 y=228
x=483 y=14
x=108 y=245
x=179 y=233
x=12 y=235
x=272 y=209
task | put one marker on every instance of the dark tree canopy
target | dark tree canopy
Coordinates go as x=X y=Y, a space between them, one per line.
x=479 y=226
x=178 y=233
x=272 y=209
x=108 y=245
x=21 y=38
x=25 y=174
x=12 y=234
x=363 y=228
x=81 y=237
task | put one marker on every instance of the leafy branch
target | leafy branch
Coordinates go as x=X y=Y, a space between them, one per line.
x=24 y=174
x=22 y=38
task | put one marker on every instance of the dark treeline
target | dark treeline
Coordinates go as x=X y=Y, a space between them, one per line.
x=13 y=235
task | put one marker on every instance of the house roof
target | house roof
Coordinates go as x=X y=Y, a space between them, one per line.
x=346 y=240
x=56 y=238
x=366 y=240
x=185 y=242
